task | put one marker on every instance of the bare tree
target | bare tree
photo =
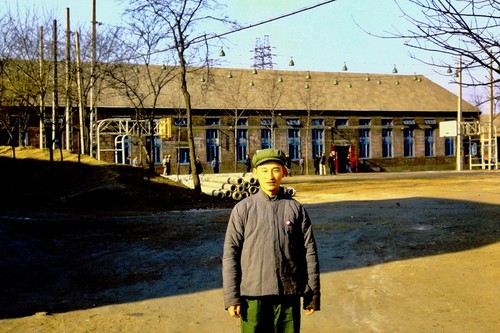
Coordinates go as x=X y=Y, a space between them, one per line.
x=14 y=109
x=142 y=85
x=25 y=79
x=183 y=19
x=465 y=28
x=110 y=53
x=273 y=91
x=312 y=97
x=27 y=54
x=231 y=93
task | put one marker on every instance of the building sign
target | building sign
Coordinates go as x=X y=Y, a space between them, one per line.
x=448 y=128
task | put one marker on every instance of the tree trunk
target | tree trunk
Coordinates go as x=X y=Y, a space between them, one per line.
x=187 y=100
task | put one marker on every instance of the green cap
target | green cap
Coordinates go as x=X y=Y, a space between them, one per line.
x=266 y=155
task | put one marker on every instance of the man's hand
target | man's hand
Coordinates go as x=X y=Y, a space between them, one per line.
x=234 y=311
x=309 y=311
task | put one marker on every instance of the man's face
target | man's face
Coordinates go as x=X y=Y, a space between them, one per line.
x=269 y=175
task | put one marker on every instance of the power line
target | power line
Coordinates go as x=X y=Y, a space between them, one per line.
x=204 y=38
x=269 y=20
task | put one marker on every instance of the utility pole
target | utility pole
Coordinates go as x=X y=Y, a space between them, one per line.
x=81 y=107
x=55 y=101
x=42 y=99
x=68 y=82
x=459 y=118
x=93 y=111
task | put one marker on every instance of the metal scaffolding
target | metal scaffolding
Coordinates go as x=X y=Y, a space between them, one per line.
x=120 y=129
x=488 y=150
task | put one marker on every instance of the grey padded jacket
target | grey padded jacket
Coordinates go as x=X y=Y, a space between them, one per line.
x=269 y=249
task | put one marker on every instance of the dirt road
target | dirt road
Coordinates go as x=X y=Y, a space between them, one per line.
x=398 y=254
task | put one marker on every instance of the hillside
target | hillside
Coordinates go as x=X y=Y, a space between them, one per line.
x=31 y=182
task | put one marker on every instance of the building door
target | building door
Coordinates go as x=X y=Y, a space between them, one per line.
x=342 y=153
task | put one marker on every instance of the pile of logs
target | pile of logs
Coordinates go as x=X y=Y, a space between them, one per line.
x=231 y=185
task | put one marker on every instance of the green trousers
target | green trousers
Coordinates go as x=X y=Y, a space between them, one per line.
x=278 y=314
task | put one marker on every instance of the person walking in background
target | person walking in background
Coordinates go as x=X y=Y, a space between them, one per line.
x=248 y=163
x=215 y=165
x=166 y=165
x=199 y=167
x=316 y=165
x=169 y=164
x=331 y=163
x=301 y=165
x=270 y=258
x=322 y=167
x=348 y=163
x=288 y=166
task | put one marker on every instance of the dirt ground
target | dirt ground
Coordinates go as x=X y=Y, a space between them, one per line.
x=409 y=252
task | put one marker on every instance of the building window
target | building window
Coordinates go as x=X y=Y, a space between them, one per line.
x=318 y=142
x=294 y=143
x=122 y=146
x=364 y=138
x=429 y=142
x=180 y=122
x=268 y=122
x=293 y=122
x=364 y=143
x=386 y=122
x=409 y=122
x=183 y=154
x=242 y=122
x=409 y=141
x=241 y=144
x=156 y=148
x=470 y=148
x=212 y=144
x=48 y=136
x=341 y=122
x=265 y=138
x=387 y=142
x=449 y=146
x=317 y=122
x=212 y=121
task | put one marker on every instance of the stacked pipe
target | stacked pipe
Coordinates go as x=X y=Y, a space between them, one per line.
x=232 y=185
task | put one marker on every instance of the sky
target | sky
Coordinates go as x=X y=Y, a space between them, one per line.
x=321 y=39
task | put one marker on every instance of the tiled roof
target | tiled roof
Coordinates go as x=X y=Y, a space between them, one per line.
x=327 y=91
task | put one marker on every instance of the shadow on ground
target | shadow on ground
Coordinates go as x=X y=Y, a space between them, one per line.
x=65 y=262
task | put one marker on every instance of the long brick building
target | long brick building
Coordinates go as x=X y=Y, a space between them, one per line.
x=380 y=121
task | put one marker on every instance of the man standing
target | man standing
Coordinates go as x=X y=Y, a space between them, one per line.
x=316 y=164
x=331 y=163
x=270 y=258
x=322 y=167
x=215 y=165
x=248 y=163
x=198 y=166
x=166 y=165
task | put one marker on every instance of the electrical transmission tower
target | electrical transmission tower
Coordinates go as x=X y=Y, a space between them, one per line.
x=263 y=58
